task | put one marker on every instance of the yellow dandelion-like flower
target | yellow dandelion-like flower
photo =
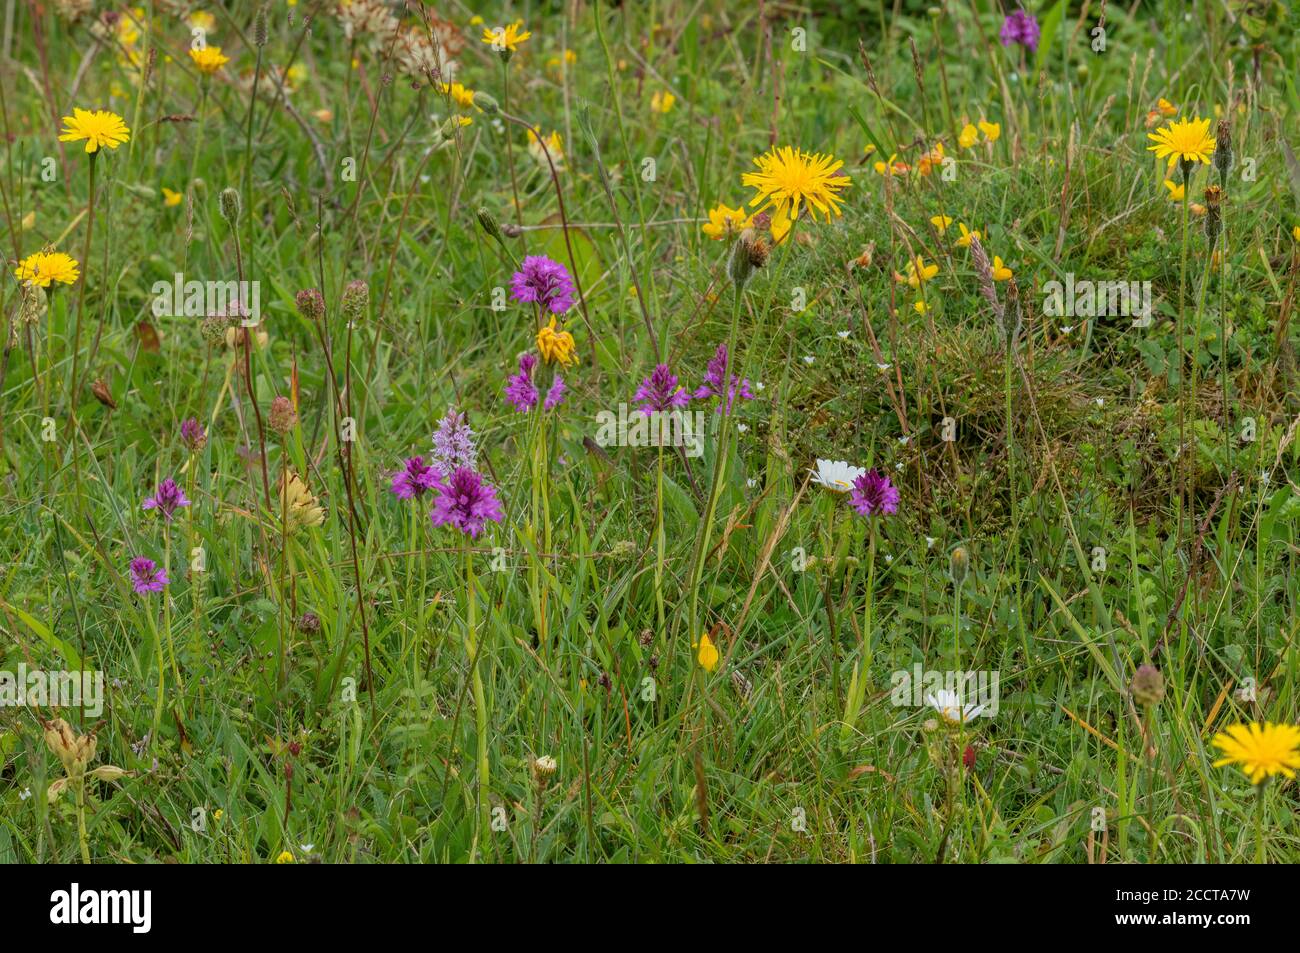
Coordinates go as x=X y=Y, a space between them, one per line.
x=991 y=130
x=707 y=655
x=966 y=236
x=556 y=347
x=1176 y=192
x=209 y=59
x=940 y=222
x=968 y=136
x=171 y=198
x=459 y=94
x=1185 y=140
x=44 y=268
x=789 y=178
x=1261 y=751
x=725 y=222
x=506 y=39
x=918 y=272
x=1000 y=271
x=99 y=128
x=662 y=101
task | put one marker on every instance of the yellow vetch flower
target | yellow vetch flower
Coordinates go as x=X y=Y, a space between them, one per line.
x=284 y=858
x=506 y=38
x=966 y=236
x=968 y=136
x=868 y=149
x=209 y=59
x=662 y=101
x=99 y=128
x=1186 y=140
x=920 y=307
x=1176 y=192
x=788 y=178
x=218 y=814
x=43 y=268
x=707 y=655
x=991 y=130
x=931 y=159
x=940 y=222
x=1000 y=271
x=459 y=94
x=918 y=272
x=556 y=346
x=171 y=198
x=1166 y=107
x=1261 y=751
x=724 y=222
x=891 y=167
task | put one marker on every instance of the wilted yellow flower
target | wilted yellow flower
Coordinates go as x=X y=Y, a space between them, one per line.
x=99 y=128
x=931 y=159
x=1000 y=271
x=1166 y=108
x=724 y=222
x=968 y=136
x=75 y=752
x=891 y=167
x=323 y=115
x=171 y=198
x=506 y=39
x=991 y=130
x=209 y=59
x=662 y=101
x=1176 y=192
x=42 y=268
x=556 y=346
x=297 y=503
x=1261 y=751
x=1295 y=233
x=1186 y=140
x=707 y=655
x=554 y=144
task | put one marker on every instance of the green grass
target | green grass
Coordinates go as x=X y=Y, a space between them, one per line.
x=1094 y=546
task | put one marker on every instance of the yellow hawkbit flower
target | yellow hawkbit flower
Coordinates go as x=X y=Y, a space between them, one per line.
x=171 y=198
x=940 y=222
x=724 y=222
x=1000 y=271
x=789 y=178
x=459 y=94
x=966 y=236
x=99 y=128
x=1185 y=140
x=991 y=130
x=1176 y=192
x=297 y=503
x=707 y=655
x=918 y=272
x=45 y=267
x=968 y=136
x=1166 y=108
x=556 y=346
x=891 y=167
x=506 y=39
x=1261 y=751
x=662 y=101
x=209 y=59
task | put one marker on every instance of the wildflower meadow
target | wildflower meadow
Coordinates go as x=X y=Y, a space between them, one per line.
x=656 y=432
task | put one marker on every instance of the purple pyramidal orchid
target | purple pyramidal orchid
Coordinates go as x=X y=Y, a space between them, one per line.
x=466 y=503
x=660 y=392
x=544 y=282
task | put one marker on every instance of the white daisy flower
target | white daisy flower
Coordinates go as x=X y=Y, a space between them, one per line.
x=836 y=475
x=808 y=359
x=948 y=704
x=843 y=335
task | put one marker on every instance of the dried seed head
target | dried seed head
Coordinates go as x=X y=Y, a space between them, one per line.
x=1223 y=148
x=230 y=206
x=308 y=623
x=213 y=329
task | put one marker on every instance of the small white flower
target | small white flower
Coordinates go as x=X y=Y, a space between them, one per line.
x=904 y=441
x=883 y=367
x=899 y=466
x=930 y=541
x=751 y=483
x=843 y=335
x=307 y=848
x=742 y=428
x=24 y=794
x=948 y=704
x=1264 y=477
x=888 y=558
x=837 y=475
x=758 y=385
x=808 y=359
x=1101 y=402
x=1067 y=329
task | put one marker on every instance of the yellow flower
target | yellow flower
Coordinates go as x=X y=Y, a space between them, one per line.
x=724 y=222
x=941 y=222
x=43 y=268
x=554 y=144
x=218 y=814
x=1197 y=208
x=968 y=137
x=570 y=57
x=459 y=94
x=662 y=101
x=991 y=130
x=298 y=504
x=556 y=346
x=171 y=198
x=296 y=75
x=918 y=272
x=966 y=236
x=1176 y=192
x=931 y=159
x=475 y=20
x=506 y=39
x=209 y=59
x=920 y=307
x=1295 y=233
x=323 y=115
x=891 y=167
x=1261 y=751
x=99 y=128
x=284 y=858
x=1000 y=271
x=707 y=655
x=868 y=149
x=788 y=178
x=1188 y=140
x=1167 y=108
x=202 y=20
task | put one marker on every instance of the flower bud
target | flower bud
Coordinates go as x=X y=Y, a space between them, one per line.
x=486 y=102
x=959 y=565
x=282 y=417
x=230 y=208
x=356 y=296
x=1223 y=148
x=311 y=305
